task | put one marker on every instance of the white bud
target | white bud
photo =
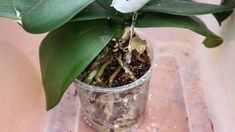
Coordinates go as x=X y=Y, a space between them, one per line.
x=127 y=6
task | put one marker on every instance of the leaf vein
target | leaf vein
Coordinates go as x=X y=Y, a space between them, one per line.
x=33 y=7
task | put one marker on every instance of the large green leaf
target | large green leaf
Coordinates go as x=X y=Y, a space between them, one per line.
x=67 y=51
x=7 y=10
x=152 y=2
x=220 y=17
x=185 y=8
x=95 y=11
x=39 y=16
x=224 y=15
x=192 y=23
x=106 y=4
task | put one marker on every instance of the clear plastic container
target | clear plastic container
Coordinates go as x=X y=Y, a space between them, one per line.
x=117 y=109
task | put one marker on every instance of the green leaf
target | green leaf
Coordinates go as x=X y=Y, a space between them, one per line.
x=192 y=23
x=7 y=10
x=67 y=51
x=186 y=8
x=152 y=2
x=95 y=11
x=91 y=13
x=106 y=4
x=119 y=31
x=220 y=17
x=224 y=15
x=39 y=16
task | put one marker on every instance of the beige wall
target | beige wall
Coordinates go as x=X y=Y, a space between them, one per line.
x=218 y=76
x=225 y=55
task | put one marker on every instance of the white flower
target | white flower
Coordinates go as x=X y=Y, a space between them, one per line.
x=127 y=6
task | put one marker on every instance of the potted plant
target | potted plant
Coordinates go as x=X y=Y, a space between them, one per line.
x=92 y=43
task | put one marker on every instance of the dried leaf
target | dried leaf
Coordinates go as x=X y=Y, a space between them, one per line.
x=138 y=44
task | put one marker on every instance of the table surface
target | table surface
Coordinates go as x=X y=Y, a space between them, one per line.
x=176 y=101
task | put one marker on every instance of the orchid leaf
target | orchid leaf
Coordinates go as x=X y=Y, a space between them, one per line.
x=191 y=23
x=185 y=8
x=67 y=51
x=106 y=4
x=7 y=10
x=39 y=16
x=220 y=17
x=90 y=13
x=224 y=15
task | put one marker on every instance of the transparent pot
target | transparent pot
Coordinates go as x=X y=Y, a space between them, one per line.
x=117 y=109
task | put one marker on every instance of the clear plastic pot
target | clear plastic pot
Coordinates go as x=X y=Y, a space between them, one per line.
x=117 y=109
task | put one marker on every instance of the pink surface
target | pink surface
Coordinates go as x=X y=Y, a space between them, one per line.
x=21 y=97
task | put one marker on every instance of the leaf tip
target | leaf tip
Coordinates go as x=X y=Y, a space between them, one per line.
x=212 y=42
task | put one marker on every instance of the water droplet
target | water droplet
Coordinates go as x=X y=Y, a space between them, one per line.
x=116 y=126
x=135 y=97
x=125 y=100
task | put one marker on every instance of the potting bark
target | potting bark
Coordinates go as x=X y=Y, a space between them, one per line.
x=110 y=68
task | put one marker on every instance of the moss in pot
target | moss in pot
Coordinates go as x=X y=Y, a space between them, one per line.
x=81 y=30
